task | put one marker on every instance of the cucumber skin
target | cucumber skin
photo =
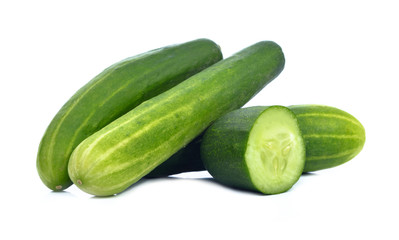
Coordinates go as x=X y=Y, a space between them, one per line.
x=314 y=148
x=127 y=149
x=224 y=145
x=332 y=136
x=187 y=159
x=112 y=93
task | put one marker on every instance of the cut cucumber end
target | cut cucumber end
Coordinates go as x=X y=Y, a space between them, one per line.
x=275 y=154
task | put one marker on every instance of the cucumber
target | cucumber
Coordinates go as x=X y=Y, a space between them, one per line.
x=256 y=148
x=332 y=136
x=187 y=159
x=112 y=159
x=112 y=93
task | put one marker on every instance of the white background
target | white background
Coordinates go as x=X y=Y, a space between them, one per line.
x=338 y=53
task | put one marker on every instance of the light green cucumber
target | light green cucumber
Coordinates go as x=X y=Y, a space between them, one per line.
x=118 y=89
x=112 y=159
x=256 y=148
x=332 y=136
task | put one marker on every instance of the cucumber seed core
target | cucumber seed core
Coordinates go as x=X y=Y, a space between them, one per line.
x=275 y=153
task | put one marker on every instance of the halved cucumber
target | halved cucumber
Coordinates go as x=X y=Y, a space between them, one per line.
x=332 y=136
x=255 y=148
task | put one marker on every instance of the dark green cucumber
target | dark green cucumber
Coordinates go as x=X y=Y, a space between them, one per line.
x=112 y=159
x=187 y=159
x=332 y=136
x=255 y=148
x=118 y=89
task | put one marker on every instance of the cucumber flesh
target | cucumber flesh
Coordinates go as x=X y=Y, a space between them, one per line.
x=275 y=154
x=256 y=148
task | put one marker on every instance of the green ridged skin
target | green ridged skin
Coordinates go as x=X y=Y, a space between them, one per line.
x=187 y=159
x=224 y=146
x=115 y=91
x=112 y=159
x=332 y=136
x=256 y=148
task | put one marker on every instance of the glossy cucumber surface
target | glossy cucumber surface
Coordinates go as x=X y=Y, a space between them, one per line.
x=115 y=91
x=256 y=148
x=112 y=159
x=332 y=136
x=187 y=159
